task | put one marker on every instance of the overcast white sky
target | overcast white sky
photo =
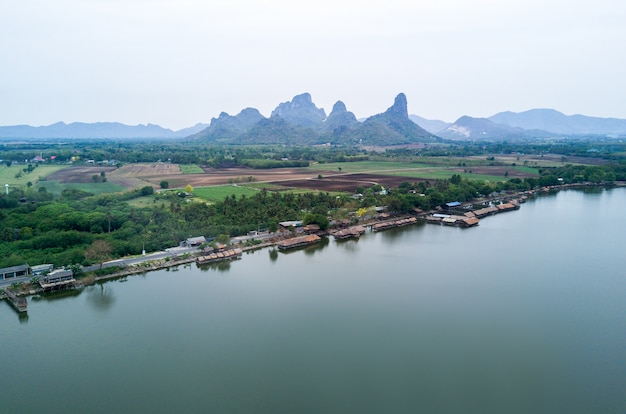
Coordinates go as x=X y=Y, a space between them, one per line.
x=179 y=62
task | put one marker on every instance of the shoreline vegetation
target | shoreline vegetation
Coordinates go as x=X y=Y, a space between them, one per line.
x=381 y=222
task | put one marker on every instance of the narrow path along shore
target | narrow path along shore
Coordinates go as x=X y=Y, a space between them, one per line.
x=140 y=266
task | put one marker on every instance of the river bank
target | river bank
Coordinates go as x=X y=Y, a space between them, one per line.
x=378 y=222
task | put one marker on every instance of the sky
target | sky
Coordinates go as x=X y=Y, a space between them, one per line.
x=181 y=62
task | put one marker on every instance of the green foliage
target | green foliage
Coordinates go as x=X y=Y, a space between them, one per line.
x=319 y=219
x=77 y=270
x=270 y=163
x=107 y=271
x=164 y=184
x=146 y=191
x=273 y=226
x=74 y=194
x=223 y=239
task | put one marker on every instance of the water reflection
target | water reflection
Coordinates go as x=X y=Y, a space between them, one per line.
x=317 y=247
x=593 y=190
x=58 y=294
x=393 y=235
x=22 y=317
x=222 y=266
x=100 y=296
x=310 y=250
x=273 y=255
x=349 y=245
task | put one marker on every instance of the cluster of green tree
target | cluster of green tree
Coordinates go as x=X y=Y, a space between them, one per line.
x=342 y=157
x=258 y=156
x=193 y=152
x=596 y=147
x=60 y=231
x=571 y=173
x=427 y=195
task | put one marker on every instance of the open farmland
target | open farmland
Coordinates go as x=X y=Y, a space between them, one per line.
x=140 y=175
x=351 y=175
x=347 y=182
x=212 y=177
x=15 y=175
x=82 y=174
x=368 y=166
x=543 y=160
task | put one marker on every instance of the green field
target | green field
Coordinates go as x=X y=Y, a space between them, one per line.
x=434 y=174
x=190 y=169
x=415 y=170
x=284 y=190
x=528 y=170
x=8 y=174
x=369 y=167
x=56 y=187
x=266 y=186
x=220 y=192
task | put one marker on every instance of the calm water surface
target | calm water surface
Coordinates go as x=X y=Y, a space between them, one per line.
x=524 y=314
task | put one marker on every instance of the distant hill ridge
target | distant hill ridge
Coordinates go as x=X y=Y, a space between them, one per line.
x=301 y=122
x=554 y=121
x=95 y=130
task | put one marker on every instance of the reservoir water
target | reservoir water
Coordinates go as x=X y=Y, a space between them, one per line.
x=525 y=313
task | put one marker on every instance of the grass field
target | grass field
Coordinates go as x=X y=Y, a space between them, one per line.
x=56 y=187
x=220 y=192
x=434 y=174
x=190 y=169
x=528 y=170
x=7 y=174
x=261 y=186
x=367 y=166
x=424 y=170
x=284 y=190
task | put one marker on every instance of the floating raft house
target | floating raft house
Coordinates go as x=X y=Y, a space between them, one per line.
x=218 y=256
x=299 y=242
x=349 y=233
x=396 y=223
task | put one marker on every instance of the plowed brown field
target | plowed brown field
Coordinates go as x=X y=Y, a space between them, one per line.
x=81 y=174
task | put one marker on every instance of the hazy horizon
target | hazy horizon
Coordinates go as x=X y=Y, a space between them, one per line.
x=176 y=64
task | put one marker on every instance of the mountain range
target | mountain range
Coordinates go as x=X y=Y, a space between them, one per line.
x=301 y=122
x=95 y=130
x=535 y=123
